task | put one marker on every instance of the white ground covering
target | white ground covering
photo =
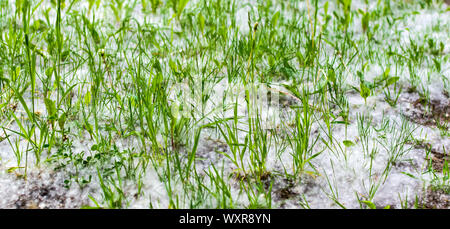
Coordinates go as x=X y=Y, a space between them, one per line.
x=348 y=177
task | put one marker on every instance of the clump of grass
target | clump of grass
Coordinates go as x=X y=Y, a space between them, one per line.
x=110 y=70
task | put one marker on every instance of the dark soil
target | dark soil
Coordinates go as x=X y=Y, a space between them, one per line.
x=46 y=195
x=436 y=199
x=438 y=158
x=286 y=192
x=208 y=152
x=430 y=113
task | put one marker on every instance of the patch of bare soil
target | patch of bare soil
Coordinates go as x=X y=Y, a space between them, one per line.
x=438 y=158
x=208 y=151
x=436 y=199
x=282 y=188
x=435 y=113
x=40 y=192
x=286 y=192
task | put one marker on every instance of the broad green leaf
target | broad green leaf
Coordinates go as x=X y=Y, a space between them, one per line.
x=181 y=5
x=201 y=22
x=10 y=170
x=437 y=64
x=348 y=143
x=331 y=75
x=275 y=18
x=173 y=66
x=62 y=121
x=91 y=3
x=51 y=108
x=87 y=98
x=94 y=147
x=369 y=204
x=49 y=72
x=175 y=110
x=392 y=80
x=386 y=73
x=95 y=35
x=360 y=75
x=365 y=91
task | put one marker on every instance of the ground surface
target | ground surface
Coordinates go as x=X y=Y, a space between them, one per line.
x=224 y=104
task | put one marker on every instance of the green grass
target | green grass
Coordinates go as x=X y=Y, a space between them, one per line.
x=141 y=85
